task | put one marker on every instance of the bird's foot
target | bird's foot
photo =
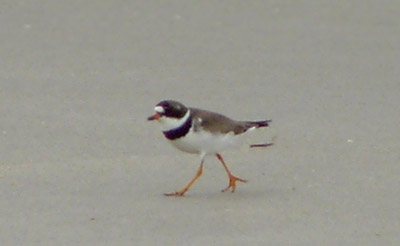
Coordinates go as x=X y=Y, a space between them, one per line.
x=178 y=193
x=232 y=183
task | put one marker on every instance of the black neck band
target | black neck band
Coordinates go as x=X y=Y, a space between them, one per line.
x=179 y=131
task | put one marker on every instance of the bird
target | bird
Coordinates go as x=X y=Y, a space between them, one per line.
x=202 y=132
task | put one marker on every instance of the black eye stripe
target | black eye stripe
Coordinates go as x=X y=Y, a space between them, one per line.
x=173 y=109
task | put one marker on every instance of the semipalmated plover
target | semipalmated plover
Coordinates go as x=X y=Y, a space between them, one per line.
x=202 y=132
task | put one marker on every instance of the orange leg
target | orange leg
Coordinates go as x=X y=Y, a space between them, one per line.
x=183 y=191
x=232 y=178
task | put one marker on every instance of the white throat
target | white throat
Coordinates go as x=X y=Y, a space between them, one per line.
x=172 y=123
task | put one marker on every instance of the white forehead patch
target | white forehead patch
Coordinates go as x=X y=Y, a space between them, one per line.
x=159 y=109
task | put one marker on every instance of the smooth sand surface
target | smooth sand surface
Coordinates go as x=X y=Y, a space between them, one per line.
x=80 y=165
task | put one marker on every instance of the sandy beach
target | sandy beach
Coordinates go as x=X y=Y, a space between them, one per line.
x=80 y=165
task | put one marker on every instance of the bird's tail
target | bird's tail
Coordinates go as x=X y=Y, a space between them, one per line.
x=262 y=123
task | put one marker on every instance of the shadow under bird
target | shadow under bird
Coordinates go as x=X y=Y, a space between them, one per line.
x=204 y=133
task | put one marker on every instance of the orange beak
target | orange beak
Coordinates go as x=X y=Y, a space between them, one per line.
x=156 y=116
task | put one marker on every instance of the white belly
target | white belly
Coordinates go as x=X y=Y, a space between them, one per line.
x=207 y=143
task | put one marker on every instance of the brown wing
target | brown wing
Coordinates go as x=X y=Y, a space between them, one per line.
x=215 y=122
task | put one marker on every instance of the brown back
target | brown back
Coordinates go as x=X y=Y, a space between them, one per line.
x=215 y=122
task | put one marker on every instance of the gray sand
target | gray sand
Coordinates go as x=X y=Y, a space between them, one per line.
x=81 y=166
